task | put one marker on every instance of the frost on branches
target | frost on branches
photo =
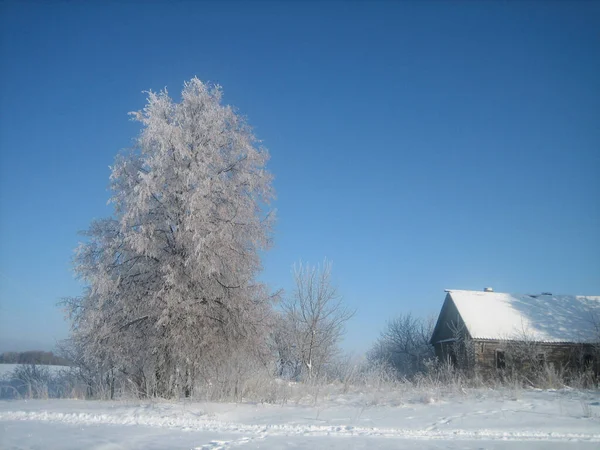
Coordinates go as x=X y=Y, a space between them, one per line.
x=171 y=278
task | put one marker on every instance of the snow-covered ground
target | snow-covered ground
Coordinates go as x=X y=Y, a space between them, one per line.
x=480 y=419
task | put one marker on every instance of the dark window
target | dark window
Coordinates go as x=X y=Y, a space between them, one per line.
x=541 y=359
x=588 y=361
x=500 y=360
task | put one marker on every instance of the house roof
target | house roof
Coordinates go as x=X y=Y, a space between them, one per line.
x=540 y=318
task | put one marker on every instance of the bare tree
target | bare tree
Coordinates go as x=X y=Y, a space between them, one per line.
x=404 y=345
x=592 y=361
x=313 y=320
x=462 y=349
x=283 y=343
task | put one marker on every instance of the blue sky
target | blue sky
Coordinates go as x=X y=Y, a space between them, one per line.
x=419 y=146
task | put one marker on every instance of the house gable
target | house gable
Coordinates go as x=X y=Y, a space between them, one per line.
x=448 y=322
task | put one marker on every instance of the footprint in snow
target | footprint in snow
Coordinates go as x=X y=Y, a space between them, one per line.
x=214 y=445
x=108 y=447
x=223 y=445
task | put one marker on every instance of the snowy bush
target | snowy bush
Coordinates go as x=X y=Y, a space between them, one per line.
x=404 y=345
x=32 y=381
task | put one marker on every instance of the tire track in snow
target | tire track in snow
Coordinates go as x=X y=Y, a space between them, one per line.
x=263 y=431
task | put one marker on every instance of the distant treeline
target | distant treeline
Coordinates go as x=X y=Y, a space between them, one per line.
x=33 y=357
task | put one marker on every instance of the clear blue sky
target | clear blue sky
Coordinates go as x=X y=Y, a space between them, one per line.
x=419 y=146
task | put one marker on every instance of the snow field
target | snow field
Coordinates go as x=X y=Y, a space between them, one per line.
x=480 y=419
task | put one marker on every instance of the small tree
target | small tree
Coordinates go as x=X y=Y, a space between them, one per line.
x=404 y=345
x=313 y=320
x=283 y=342
x=524 y=358
x=593 y=361
x=463 y=349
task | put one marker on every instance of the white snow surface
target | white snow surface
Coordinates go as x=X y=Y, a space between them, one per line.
x=477 y=419
x=541 y=318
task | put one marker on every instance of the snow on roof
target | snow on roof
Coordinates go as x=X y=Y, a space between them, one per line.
x=540 y=318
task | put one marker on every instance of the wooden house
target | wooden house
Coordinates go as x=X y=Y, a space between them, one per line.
x=486 y=329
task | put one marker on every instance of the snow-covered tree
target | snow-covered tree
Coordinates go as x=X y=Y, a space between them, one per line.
x=404 y=345
x=171 y=277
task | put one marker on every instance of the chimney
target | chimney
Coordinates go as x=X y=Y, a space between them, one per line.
x=488 y=289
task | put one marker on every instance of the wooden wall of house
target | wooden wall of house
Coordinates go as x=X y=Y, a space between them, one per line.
x=565 y=356
x=561 y=356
